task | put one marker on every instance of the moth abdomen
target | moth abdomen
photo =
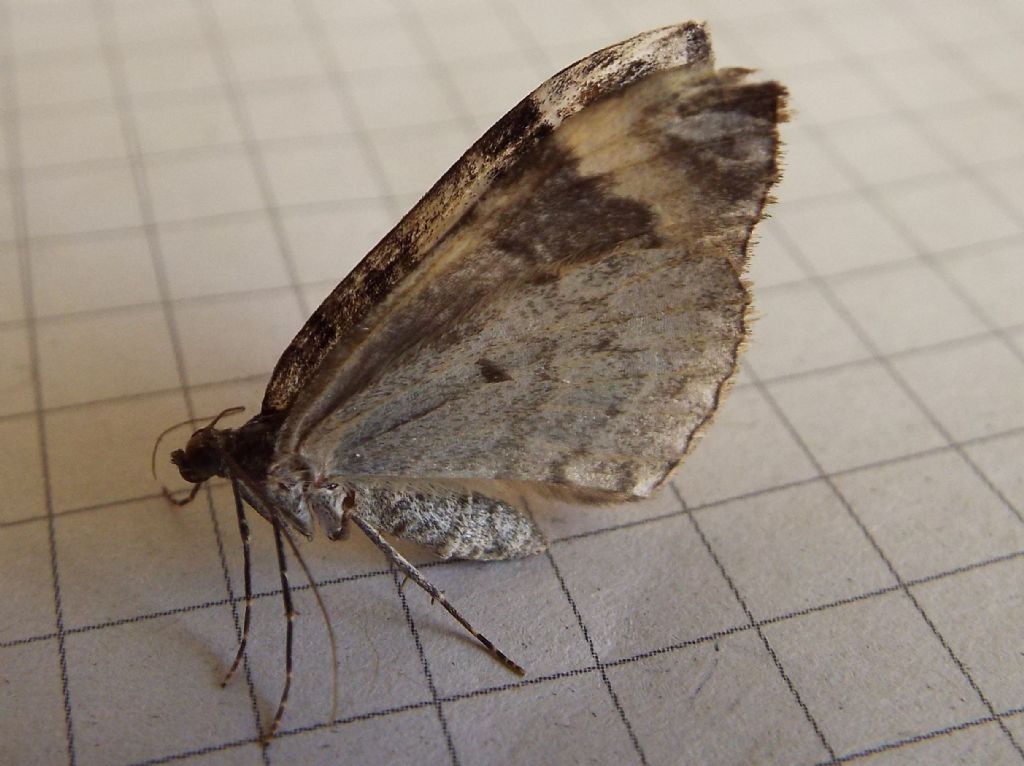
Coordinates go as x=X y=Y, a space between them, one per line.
x=454 y=522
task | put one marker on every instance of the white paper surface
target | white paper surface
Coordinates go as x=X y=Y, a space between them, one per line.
x=836 y=575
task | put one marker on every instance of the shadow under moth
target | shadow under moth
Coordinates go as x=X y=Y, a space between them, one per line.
x=559 y=316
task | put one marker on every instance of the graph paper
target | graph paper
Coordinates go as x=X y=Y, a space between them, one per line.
x=835 y=576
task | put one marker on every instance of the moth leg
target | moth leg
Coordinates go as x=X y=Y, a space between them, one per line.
x=184 y=501
x=243 y=528
x=413 y=574
x=289 y=611
x=259 y=499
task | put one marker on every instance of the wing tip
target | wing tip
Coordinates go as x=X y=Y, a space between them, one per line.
x=696 y=43
x=602 y=72
x=685 y=44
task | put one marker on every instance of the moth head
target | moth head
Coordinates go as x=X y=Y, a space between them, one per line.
x=201 y=459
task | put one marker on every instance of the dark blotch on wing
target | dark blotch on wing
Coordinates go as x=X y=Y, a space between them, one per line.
x=556 y=220
x=569 y=217
x=759 y=99
x=719 y=165
x=491 y=372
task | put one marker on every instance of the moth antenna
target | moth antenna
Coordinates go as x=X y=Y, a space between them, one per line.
x=243 y=529
x=160 y=438
x=414 y=574
x=259 y=499
x=289 y=641
x=229 y=411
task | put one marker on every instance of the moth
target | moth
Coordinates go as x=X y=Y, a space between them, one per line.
x=560 y=315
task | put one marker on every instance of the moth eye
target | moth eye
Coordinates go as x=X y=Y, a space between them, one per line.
x=331 y=487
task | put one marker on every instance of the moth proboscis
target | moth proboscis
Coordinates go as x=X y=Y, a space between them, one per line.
x=561 y=314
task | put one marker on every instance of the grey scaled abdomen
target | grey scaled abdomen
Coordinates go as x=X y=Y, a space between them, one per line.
x=452 y=521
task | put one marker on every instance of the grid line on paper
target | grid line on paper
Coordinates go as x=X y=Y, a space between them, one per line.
x=12 y=140
x=427 y=673
x=115 y=65
x=757 y=628
x=616 y=663
x=623 y=661
x=923 y=256
x=316 y=31
x=868 y=192
x=940 y=345
x=903 y=586
x=216 y=43
x=888 y=746
x=852 y=322
x=328 y=582
x=314 y=28
x=409 y=17
x=859 y=271
x=886 y=361
x=70 y=166
x=598 y=663
x=853 y=192
x=908 y=389
x=544 y=679
x=850 y=757
x=728 y=498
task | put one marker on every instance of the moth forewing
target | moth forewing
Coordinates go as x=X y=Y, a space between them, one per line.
x=561 y=314
x=458 y=190
x=613 y=310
